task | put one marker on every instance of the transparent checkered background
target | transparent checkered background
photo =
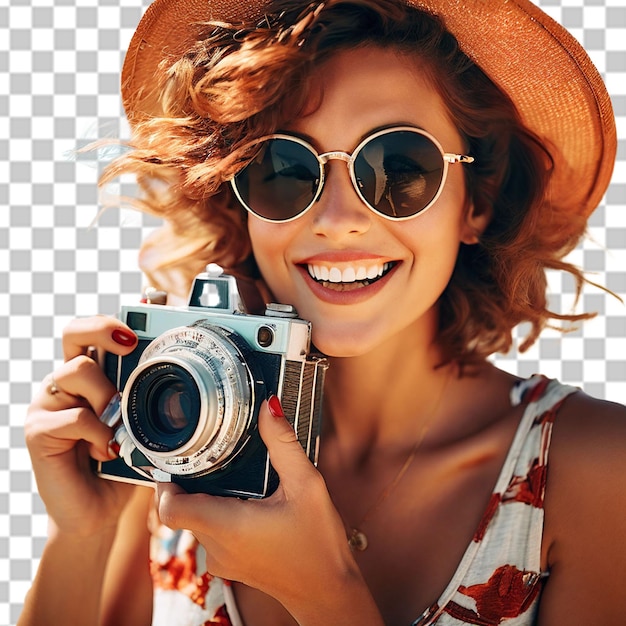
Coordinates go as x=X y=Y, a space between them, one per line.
x=59 y=74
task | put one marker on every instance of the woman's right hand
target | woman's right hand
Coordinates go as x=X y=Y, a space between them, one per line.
x=63 y=431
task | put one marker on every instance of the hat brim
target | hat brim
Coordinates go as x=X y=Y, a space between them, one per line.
x=558 y=91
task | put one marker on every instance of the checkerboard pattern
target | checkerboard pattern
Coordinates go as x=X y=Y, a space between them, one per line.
x=59 y=75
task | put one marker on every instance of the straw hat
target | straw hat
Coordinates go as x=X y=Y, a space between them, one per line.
x=557 y=89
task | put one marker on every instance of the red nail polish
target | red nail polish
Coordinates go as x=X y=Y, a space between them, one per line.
x=114 y=449
x=275 y=406
x=123 y=338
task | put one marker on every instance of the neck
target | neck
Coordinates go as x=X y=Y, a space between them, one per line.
x=382 y=398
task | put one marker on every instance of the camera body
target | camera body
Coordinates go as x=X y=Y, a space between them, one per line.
x=191 y=391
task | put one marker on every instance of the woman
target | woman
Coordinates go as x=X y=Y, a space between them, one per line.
x=442 y=494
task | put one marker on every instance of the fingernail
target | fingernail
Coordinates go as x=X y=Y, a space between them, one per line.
x=114 y=449
x=275 y=406
x=123 y=338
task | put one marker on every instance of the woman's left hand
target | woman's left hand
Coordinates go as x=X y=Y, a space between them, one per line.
x=291 y=545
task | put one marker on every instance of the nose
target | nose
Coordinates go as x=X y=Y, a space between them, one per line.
x=339 y=212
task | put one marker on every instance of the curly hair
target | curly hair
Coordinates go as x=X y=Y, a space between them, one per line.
x=240 y=83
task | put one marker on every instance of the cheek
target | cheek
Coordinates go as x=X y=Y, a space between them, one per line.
x=268 y=239
x=438 y=231
x=269 y=246
x=260 y=236
x=434 y=239
x=446 y=223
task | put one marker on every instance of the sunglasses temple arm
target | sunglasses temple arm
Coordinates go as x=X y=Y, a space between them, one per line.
x=458 y=158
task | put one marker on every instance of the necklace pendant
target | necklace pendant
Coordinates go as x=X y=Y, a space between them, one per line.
x=358 y=540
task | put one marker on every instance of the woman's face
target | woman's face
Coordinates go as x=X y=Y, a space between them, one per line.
x=364 y=90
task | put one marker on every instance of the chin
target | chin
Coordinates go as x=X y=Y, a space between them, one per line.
x=342 y=346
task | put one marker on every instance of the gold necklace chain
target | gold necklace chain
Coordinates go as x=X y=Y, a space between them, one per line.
x=357 y=539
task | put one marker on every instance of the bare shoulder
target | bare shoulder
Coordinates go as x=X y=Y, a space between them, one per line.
x=589 y=437
x=585 y=507
x=588 y=449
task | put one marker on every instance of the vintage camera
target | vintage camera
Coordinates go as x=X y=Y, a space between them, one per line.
x=191 y=390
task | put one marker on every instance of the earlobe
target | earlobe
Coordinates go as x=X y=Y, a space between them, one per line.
x=475 y=223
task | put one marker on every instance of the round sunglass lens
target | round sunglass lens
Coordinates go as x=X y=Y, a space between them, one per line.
x=281 y=181
x=399 y=173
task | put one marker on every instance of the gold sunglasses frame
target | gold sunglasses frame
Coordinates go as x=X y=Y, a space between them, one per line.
x=339 y=155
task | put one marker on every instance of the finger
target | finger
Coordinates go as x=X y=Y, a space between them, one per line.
x=82 y=379
x=285 y=452
x=179 y=509
x=60 y=430
x=216 y=515
x=168 y=500
x=104 y=332
x=226 y=527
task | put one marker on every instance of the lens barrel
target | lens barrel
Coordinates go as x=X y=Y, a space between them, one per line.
x=189 y=403
x=165 y=406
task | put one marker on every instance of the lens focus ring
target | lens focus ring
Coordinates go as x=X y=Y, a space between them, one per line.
x=189 y=402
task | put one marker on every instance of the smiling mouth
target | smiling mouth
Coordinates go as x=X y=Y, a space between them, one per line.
x=349 y=277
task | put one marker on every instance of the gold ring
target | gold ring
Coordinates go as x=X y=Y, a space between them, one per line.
x=53 y=388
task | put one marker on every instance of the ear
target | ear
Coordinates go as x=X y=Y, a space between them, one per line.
x=475 y=223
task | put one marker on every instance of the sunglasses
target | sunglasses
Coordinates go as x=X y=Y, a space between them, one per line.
x=397 y=172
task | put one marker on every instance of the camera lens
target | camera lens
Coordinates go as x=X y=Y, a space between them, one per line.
x=170 y=403
x=189 y=404
x=164 y=407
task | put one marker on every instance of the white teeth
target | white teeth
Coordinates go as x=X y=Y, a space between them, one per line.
x=349 y=274
x=319 y=272
x=335 y=275
x=373 y=272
